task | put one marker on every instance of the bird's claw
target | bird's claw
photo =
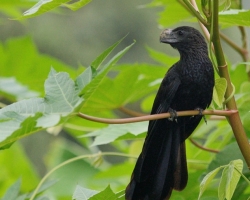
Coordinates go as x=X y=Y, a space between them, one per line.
x=173 y=115
x=201 y=113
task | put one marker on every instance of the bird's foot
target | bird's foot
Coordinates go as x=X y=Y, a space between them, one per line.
x=201 y=113
x=173 y=115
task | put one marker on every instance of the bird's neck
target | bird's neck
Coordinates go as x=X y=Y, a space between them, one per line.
x=193 y=54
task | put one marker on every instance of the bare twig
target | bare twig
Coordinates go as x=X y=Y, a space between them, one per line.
x=202 y=147
x=242 y=51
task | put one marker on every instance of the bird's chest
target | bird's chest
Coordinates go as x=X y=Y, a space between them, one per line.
x=190 y=92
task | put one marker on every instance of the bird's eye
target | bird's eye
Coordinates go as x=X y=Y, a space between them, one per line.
x=180 y=32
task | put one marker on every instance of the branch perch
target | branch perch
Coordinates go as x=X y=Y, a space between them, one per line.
x=156 y=116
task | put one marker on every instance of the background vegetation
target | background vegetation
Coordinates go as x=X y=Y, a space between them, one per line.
x=55 y=63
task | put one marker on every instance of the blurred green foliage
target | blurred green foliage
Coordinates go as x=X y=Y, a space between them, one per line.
x=69 y=41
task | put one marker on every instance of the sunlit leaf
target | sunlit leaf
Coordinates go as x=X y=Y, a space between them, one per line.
x=30 y=115
x=43 y=6
x=104 y=195
x=10 y=86
x=77 y=5
x=82 y=193
x=207 y=180
x=91 y=87
x=229 y=179
x=161 y=57
x=234 y=17
x=114 y=131
x=219 y=91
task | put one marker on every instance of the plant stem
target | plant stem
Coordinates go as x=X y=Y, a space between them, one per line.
x=236 y=47
x=195 y=12
x=202 y=147
x=234 y=119
x=156 y=116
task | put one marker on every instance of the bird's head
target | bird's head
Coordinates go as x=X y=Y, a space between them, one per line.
x=183 y=38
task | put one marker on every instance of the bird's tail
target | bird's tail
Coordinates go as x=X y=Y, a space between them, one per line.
x=156 y=175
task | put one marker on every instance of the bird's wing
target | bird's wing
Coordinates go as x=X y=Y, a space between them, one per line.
x=158 y=134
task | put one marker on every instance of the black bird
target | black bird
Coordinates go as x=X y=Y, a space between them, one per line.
x=188 y=85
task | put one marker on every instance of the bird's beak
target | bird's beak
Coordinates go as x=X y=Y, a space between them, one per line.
x=167 y=36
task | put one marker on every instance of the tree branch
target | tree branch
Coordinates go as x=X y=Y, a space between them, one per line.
x=195 y=12
x=156 y=116
x=242 y=51
x=202 y=147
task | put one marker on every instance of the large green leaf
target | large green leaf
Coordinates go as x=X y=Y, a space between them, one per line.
x=106 y=194
x=15 y=90
x=30 y=115
x=62 y=100
x=234 y=17
x=229 y=179
x=173 y=12
x=81 y=193
x=114 y=131
x=207 y=180
x=91 y=72
x=161 y=57
x=132 y=83
x=88 y=91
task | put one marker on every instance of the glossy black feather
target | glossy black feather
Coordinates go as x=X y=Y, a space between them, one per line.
x=188 y=84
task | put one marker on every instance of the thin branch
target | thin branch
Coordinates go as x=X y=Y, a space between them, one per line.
x=156 y=116
x=130 y=112
x=203 y=27
x=195 y=12
x=244 y=36
x=242 y=51
x=202 y=147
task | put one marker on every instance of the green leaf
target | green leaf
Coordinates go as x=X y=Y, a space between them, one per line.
x=93 y=85
x=116 y=92
x=229 y=179
x=168 y=16
x=219 y=91
x=114 y=131
x=207 y=180
x=77 y=5
x=91 y=72
x=43 y=6
x=15 y=126
x=234 y=17
x=12 y=87
x=23 y=59
x=27 y=116
x=161 y=57
x=13 y=191
x=82 y=193
x=99 y=60
x=106 y=194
